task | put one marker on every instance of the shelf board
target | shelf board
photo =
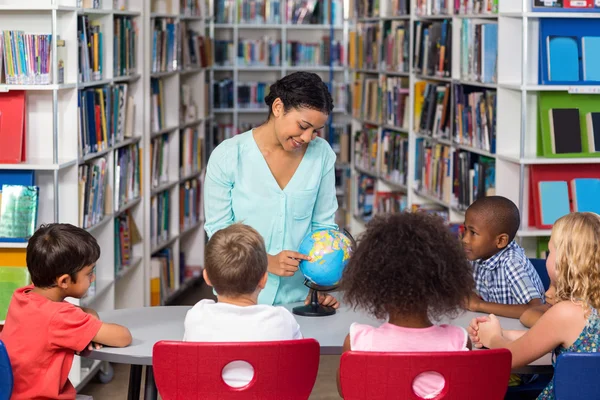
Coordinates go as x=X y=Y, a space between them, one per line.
x=127 y=206
x=163 y=187
x=395 y=73
x=262 y=110
x=48 y=7
x=163 y=131
x=127 y=13
x=368 y=19
x=549 y=161
x=126 y=270
x=192 y=70
x=394 y=185
x=164 y=244
x=396 y=17
x=127 y=142
x=366 y=172
x=182 y=288
x=474 y=150
x=476 y=16
x=105 y=220
x=88 y=375
x=39 y=164
x=164 y=74
x=446 y=142
x=189 y=124
x=430 y=17
x=534 y=232
x=434 y=78
x=97 y=11
x=258 y=68
x=366 y=71
x=188 y=230
x=315 y=68
x=184 y=17
x=575 y=89
x=533 y=14
x=98 y=154
x=475 y=83
x=190 y=176
x=104 y=285
x=223 y=110
x=13 y=245
x=223 y=68
x=366 y=121
x=126 y=78
x=61 y=86
x=258 y=26
x=163 y=15
x=312 y=26
x=395 y=128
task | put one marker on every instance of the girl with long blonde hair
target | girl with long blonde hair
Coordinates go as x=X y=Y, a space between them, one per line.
x=572 y=324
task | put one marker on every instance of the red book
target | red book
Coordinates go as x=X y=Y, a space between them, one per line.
x=12 y=127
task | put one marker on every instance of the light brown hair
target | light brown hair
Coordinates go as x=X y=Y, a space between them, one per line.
x=576 y=237
x=236 y=260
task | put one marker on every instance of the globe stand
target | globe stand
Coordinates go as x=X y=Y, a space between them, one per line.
x=314 y=309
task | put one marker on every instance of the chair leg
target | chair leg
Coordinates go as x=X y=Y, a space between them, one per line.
x=150 y=392
x=135 y=382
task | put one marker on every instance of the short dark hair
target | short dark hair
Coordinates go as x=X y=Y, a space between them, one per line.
x=501 y=214
x=408 y=263
x=300 y=90
x=58 y=249
x=236 y=260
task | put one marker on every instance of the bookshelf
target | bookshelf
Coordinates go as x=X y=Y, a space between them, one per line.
x=92 y=139
x=257 y=43
x=515 y=146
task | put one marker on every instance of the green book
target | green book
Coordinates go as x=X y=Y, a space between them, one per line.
x=18 y=211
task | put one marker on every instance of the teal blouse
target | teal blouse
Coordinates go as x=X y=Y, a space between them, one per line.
x=239 y=187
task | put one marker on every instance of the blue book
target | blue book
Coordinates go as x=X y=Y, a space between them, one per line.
x=590 y=52
x=586 y=192
x=563 y=59
x=490 y=52
x=554 y=201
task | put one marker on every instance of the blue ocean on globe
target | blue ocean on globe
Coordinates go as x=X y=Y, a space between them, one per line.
x=330 y=251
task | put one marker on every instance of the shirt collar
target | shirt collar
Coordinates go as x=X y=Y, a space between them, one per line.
x=493 y=262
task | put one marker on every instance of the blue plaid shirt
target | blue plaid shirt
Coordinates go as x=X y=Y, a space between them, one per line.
x=508 y=277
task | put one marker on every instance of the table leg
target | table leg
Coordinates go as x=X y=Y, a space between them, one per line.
x=135 y=382
x=150 y=392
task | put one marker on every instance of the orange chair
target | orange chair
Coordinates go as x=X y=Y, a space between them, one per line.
x=191 y=370
x=468 y=375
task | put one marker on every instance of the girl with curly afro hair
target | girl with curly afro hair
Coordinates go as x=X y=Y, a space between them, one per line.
x=410 y=269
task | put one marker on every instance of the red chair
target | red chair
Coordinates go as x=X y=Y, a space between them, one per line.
x=468 y=375
x=191 y=370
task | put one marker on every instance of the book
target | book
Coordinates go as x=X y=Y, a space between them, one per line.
x=590 y=58
x=554 y=201
x=586 y=192
x=13 y=112
x=18 y=211
x=565 y=131
x=563 y=58
x=593 y=131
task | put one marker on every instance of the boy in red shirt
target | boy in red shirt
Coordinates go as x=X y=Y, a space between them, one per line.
x=42 y=332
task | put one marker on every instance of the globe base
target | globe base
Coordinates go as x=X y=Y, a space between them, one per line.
x=313 y=311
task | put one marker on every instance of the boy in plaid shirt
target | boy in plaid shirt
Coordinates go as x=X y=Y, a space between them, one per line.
x=506 y=282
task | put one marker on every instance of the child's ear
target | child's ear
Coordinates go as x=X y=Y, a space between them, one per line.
x=263 y=281
x=205 y=275
x=64 y=281
x=502 y=240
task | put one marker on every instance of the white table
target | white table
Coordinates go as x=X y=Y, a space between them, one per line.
x=151 y=324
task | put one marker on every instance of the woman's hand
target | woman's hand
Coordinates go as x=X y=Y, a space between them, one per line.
x=285 y=263
x=325 y=299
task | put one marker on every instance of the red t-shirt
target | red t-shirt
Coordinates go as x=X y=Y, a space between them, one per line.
x=41 y=337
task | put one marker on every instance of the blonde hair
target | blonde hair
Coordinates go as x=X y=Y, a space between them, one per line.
x=576 y=237
x=236 y=260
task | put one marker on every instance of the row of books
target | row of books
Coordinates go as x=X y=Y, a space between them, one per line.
x=190 y=156
x=93 y=190
x=386 y=202
x=393 y=165
x=194 y=8
x=470 y=7
x=338 y=136
x=196 y=49
x=160 y=218
x=190 y=204
x=366 y=142
x=127 y=175
x=105 y=117
x=223 y=93
x=165 y=32
x=224 y=53
x=455 y=177
x=127 y=234
x=367 y=99
x=259 y=52
x=125 y=46
x=26 y=58
x=325 y=53
x=190 y=95
x=296 y=12
x=157 y=96
x=159 y=151
x=433 y=47
x=479 y=51
x=252 y=94
x=432 y=109
x=396 y=46
x=395 y=107
x=91 y=49
x=190 y=152
x=475 y=117
x=162 y=276
x=432 y=7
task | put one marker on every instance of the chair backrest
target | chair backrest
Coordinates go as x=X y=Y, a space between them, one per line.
x=576 y=376
x=11 y=278
x=192 y=370
x=6 y=376
x=468 y=375
x=540 y=266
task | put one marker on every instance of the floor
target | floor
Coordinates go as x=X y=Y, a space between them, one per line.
x=325 y=387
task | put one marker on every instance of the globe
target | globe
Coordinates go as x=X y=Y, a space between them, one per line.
x=330 y=251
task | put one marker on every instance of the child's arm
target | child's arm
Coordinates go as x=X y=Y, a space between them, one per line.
x=345 y=348
x=476 y=304
x=113 y=335
x=530 y=316
x=559 y=326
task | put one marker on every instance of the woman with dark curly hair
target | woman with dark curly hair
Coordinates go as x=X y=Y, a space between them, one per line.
x=279 y=178
x=409 y=268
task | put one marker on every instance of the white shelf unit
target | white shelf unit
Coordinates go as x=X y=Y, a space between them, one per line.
x=188 y=239
x=517 y=122
x=53 y=142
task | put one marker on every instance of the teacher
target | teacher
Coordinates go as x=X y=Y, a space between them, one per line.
x=278 y=178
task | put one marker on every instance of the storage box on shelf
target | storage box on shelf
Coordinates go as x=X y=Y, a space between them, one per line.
x=180 y=58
